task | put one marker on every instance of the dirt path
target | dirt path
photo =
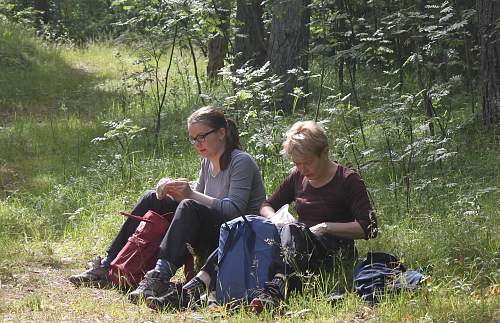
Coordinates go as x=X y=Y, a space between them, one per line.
x=44 y=294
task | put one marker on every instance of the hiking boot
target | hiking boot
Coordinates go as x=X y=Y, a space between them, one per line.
x=268 y=297
x=97 y=275
x=153 y=284
x=185 y=297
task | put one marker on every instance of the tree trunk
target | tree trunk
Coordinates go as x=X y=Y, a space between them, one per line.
x=218 y=43
x=288 y=46
x=250 y=43
x=340 y=74
x=401 y=74
x=340 y=29
x=488 y=11
x=42 y=6
x=468 y=81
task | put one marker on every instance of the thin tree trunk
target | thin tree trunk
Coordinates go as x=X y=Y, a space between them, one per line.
x=340 y=75
x=426 y=97
x=161 y=102
x=488 y=12
x=400 y=63
x=193 y=57
x=468 y=74
x=351 y=64
x=340 y=29
x=393 y=170
x=321 y=83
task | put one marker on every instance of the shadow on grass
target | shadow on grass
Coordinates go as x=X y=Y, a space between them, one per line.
x=46 y=111
x=36 y=80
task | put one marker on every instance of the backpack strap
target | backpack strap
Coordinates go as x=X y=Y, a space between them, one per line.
x=139 y=218
x=135 y=217
x=251 y=238
x=231 y=239
x=168 y=215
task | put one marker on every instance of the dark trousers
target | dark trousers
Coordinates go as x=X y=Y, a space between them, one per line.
x=193 y=226
x=210 y=266
x=302 y=251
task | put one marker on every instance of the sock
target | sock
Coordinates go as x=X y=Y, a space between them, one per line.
x=205 y=278
x=106 y=262
x=165 y=268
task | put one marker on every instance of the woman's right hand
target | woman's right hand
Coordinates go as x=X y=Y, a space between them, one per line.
x=267 y=211
x=179 y=189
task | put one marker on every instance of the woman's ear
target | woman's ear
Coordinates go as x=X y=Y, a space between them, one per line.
x=325 y=152
x=221 y=133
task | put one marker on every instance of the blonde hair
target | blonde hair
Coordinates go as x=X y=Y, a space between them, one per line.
x=305 y=138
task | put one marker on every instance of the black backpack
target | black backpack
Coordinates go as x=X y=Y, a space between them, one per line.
x=381 y=272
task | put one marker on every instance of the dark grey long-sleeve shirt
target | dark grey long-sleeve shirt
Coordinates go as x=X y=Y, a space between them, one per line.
x=237 y=190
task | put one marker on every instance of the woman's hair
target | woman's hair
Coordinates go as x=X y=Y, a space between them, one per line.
x=215 y=119
x=305 y=138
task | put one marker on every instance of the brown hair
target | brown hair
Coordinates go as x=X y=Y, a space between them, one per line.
x=305 y=138
x=215 y=119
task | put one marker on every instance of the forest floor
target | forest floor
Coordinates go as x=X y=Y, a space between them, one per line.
x=41 y=292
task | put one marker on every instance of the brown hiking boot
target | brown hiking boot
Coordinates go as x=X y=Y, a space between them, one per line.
x=96 y=276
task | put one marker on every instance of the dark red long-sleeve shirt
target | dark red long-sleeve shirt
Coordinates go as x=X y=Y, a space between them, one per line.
x=343 y=199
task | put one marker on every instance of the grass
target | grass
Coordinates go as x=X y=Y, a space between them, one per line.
x=60 y=194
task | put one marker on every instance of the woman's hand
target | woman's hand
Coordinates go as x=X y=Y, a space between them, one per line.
x=349 y=230
x=179 y=189
x=267 y=211
x=320 y=229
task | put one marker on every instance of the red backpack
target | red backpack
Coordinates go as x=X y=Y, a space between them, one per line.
x=139 y=255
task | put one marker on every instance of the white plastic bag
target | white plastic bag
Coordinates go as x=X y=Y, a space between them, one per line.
x=282 y=216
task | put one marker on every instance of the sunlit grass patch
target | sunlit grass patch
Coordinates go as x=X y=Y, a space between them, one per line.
x=45 y=151
x=100 y=58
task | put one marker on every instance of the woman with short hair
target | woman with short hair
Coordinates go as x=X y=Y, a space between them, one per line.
x=333 y=210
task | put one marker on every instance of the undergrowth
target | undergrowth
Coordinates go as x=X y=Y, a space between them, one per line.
x=60 y=193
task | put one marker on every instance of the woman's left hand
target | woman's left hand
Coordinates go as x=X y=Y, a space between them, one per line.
x=319 y=229
x=179 y=189
x=349 y=230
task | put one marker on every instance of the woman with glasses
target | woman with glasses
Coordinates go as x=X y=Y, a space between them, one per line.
x=229 y=185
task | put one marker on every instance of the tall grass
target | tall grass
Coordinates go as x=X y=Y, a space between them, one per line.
x=60 y=193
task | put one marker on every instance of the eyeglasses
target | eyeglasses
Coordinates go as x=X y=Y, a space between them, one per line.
x=201 y=137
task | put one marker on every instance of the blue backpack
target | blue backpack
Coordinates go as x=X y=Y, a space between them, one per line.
x=248 y=245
